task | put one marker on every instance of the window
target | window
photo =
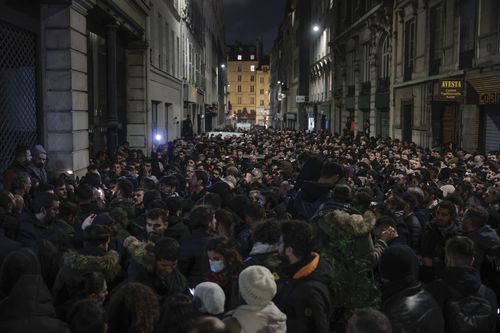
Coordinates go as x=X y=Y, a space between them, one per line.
x=239 y=57
x=385 y=66
x=239 y=99
x=261 y=102
x=489 y=17
x=252 y=56
x=167 y=46
x=262 y=91
x=160 y=41
x=239 y=78
x=365 y=69
x=436 y=41
x=252 y=100
x=468 y=17
x=239 y=88
x=252 y=78
x=239 y=68
x=252 y=88
x=409 y=49
x=252 y=68
x=172 y=52
x=261 y=80
x=350 y=68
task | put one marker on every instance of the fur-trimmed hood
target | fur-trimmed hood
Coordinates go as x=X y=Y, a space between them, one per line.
x=356 y=225
x=109 y=263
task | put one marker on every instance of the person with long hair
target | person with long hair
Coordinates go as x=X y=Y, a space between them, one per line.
x=133 y=308
x=225 y=266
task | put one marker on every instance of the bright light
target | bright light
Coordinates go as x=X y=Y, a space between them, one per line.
x=158 y=137
x=69 y=172
x=223 y=66
x=279 y=82
x=316 y=28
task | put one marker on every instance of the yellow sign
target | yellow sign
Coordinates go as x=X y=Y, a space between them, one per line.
x=451 y=90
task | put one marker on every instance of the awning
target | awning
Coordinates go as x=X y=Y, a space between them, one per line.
x=484 y=90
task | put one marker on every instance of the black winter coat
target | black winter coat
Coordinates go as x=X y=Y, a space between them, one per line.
x=193 y=259
x=465 y=280
x=28 y=308
x=306 y=300
x=484 y=239
x=411 y=309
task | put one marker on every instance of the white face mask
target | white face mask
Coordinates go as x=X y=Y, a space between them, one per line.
x=216 y=265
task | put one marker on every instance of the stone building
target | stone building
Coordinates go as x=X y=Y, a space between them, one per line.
x=83 y=76
x=446 y=73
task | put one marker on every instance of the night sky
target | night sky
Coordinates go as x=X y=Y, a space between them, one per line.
x=247 y=20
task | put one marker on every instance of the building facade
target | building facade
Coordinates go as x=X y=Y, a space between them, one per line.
x=290 y=74
x=91 y=74
x=446 y=70
x=243 y=65
x=361 y=73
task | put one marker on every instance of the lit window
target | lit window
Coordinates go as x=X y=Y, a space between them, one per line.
x=252 y=68
x=252 y=56
x=239 y=56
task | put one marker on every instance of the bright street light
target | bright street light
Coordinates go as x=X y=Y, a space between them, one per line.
x=316 y=28
x=223 y=66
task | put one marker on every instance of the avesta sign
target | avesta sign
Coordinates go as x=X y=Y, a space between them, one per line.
x=451 y=90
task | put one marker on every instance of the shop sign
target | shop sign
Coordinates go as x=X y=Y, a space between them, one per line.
x=451 y=90
x=489 y=98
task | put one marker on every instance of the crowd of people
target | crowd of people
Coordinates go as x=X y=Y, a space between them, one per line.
x=267 y=231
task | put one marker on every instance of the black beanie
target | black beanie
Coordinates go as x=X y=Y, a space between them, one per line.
x=397 y=263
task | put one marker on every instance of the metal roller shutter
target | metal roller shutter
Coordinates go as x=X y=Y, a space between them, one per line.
x=492 y=128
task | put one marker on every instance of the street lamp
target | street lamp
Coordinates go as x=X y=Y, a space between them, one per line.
x=223 y=66
x=316 y=28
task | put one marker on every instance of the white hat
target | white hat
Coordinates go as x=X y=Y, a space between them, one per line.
x=211 y=296
x=257 y=285
x=447 y=190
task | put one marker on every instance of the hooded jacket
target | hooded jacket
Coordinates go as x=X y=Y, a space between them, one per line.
x=340 y=224
x=305 y=297
x=28 y=308
x=484 y=239
x=257 y=319
x=77 y=263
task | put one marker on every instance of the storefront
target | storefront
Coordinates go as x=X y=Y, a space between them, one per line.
x=485 y=93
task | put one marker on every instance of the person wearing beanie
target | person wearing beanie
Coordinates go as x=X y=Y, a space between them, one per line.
x=37 y=164
x=210 y=298
x=408 y=306
x=259 y=313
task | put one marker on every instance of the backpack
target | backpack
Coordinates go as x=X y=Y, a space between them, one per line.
x=469 y=314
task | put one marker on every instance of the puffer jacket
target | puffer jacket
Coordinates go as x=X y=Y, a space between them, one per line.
x=411 y=309
x=28 y=308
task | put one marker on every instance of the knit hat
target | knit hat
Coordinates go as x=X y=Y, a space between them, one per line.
x=397 y=263
x=37 y=150
x=231 y=181
x=211 y=296
x=257 y=285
